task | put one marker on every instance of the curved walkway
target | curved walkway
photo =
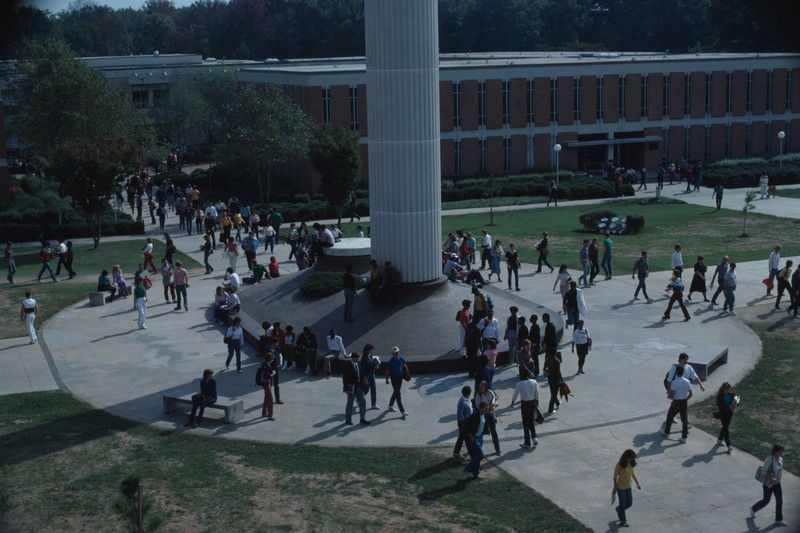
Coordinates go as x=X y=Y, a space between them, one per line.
x=98 y=354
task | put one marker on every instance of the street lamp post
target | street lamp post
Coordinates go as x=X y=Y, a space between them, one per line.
x=781 y=135
x=557 y=149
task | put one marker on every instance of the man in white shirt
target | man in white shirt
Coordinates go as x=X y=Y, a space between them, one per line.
x=677 y=259
x=763 y=183
x=688 y=371
x=490 y=328
x=61 y=251
x=528 y=391
x=233 y=280
x=335 y=350
x=730 y=289
x=486 y=247
x=680 y=391
x=27 y=313
x=774 y=266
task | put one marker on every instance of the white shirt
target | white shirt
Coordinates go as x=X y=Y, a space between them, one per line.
x=235 y=333
x=490 y=330
x=62 y=248
x=487 y=241
x=688 y=373
x=681 y=387
x=234 y=280
x=527 y=389
x=677 y=260
x=774 y=260
x=148 y=248
x=581 y=336
x=29 y=303
x=335 y=344
x=730 y=279
x=233 y=300
x=211 y=209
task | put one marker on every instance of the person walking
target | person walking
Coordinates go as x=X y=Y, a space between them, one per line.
x=207 y=396
x=352 y=380
x=473 y=436
x=512 y=265
x=680 y=392
x=641 y=268
x=27 y=313
x=607 y=255
x=623 y=474
x=463 y=317
x=463 y=412
x=784 y=283
x=582 y=341
x=795 y=293
x=774 y=267
x=594 y=262
x=726 y=406
x=486 y=249
x=676 y=286
x=181 y=278
x=140 y=299
x=370 y=363
x=719 y=277
x=730 y=289
x=773 y=471
x=511 y=334
x=552 y=367
x=585 y=263
x=676 y=260
x=350 y=293
x=45 y=256
x=495 y=255
x=235 y=336
x=147 y=253
x=543 y=247
x=394 y=372
x=719 y=190
x=528 y=391
x=699 y=279
x=11 y=265
x=552 y=194
x=207 y=251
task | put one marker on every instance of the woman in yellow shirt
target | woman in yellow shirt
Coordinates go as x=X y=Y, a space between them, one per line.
x=623 y=474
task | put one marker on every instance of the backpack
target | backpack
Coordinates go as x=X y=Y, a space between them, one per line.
x=489 y=303
x=260 y=373
x=458 y=316
x=666 y=377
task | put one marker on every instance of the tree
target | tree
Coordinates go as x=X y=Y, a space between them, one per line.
x=258 y=129
x=85 y=132
x=749 y=197
x=336 y=154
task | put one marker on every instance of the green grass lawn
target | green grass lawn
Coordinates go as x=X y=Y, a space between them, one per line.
x=53 y=297
x=789 y=193
x=770 y=405
x=64 y=462
x=699 y=230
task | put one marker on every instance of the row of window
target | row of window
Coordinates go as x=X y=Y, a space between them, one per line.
x=749 y=148
x=600 y=97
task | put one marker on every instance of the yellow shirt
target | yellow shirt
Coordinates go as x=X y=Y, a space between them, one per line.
x=624 y=476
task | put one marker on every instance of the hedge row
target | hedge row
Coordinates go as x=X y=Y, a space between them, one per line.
x=23 y=232
x=748 y=174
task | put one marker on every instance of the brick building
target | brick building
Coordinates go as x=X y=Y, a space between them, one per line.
x=503 y=112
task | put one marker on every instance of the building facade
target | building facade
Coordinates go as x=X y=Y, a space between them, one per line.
x=502 y=113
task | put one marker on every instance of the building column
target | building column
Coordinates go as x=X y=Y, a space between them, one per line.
x=402 y=48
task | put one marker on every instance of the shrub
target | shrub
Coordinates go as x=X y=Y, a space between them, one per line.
x=635 y=223
x=591 y=220
x=322 y=284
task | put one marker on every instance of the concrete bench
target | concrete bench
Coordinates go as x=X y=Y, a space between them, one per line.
x=233 y=407
x=350 y=247
x=706 y=359
x=97 y=298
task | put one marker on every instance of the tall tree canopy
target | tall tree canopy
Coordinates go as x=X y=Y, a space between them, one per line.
x=85 y=132
x=335 y=153
x=259 y=29
x=260 y=128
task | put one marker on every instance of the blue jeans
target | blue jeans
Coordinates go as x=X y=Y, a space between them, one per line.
x=12 y=269
x=181 y=291
x=573 y=315
x=641 y=287
x=46 y=266
x=475 y=449
x=373 y=392
x=585 y=276
x=606 y=264
x=730 y=298
x=625 y=497
x=235 y=345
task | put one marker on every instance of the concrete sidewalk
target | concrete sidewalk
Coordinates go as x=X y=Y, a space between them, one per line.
x=618 y=404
